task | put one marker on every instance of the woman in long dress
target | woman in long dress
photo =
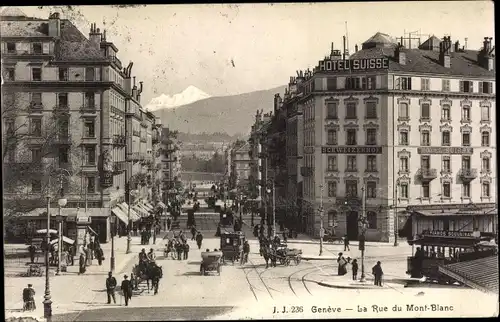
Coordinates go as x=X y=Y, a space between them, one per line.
x=81 y=264
x=342 y=270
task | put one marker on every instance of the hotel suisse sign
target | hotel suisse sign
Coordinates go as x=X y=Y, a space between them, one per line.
x=444 y=150
x=353 y=64
x=351 y=150
x=446 y=233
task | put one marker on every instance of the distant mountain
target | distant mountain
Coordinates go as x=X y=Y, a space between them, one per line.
x=233 y=114
x=187 y=96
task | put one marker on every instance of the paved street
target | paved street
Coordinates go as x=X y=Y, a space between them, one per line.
x=82 y=298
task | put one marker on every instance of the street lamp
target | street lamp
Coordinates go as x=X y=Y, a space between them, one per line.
x=321 y=229
x=62 y=203
x=112 y=220
x=241 y=204
x=362 y=239
x=274 y=207
x=47 y=303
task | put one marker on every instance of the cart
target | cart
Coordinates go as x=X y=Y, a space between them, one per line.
x=231 y=245
x=285 y=255
x=210 y=262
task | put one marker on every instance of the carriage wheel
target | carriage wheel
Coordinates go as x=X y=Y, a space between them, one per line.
x=287 y=261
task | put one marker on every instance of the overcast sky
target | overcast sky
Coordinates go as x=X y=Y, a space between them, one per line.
x=174 y=46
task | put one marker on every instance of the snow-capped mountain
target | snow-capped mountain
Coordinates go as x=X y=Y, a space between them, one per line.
x=187 y=96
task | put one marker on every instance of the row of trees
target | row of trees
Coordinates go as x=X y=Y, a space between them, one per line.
x=215 y=164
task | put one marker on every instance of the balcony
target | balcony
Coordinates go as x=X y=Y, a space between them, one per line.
x=467 y=174
x=116 y=62
x=61 y=109
x=88 y=109
x=35 y=108
x=349 y=203
x=89 y=139
x=63 y=139
x=427 y=175
x=136 y=133
x=119 y=140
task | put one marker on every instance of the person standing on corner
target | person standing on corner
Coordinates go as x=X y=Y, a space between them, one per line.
x=186 y=250
x=126 y=289
x=199 y=239
x=110 y=287
x=81 y=264
x=354 y=269
x=346 y=243
x=378 y=273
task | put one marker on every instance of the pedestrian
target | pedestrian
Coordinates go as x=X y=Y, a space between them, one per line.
x=193 y=232
x=71 y=251
x=354 y=269
x=81 y=264
x=378 y=273
x=256 y=231
x=126 y=289
x=32 y=251
x=285 y=235
x=246 y=251
x=169 y=222
x=199 y=239
x=29 y=298
x=151 y=255
x=110 y=287
x=179 y=250
x=88 y=254
x=346 y=243
x=341 y=270
x=186 y=250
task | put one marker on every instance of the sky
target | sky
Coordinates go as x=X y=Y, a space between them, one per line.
x=232 y=49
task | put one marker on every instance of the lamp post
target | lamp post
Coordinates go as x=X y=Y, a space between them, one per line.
x=129 y=236
x=112 y=220
x=47 y=302
x=363 y=230
x=272 y=190
x=321 y=229
x=62 y=203
x=396 y=219
x=241 y=206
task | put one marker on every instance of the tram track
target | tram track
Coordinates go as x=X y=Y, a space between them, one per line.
x=303 y=278
x=259 y=274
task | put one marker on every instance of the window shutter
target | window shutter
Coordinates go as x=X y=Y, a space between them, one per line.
x=409 y=83
x=45 y=48
x=398 y=83
x=490 y=88
x=471 y=87
x=462 y=86
x=364 y=83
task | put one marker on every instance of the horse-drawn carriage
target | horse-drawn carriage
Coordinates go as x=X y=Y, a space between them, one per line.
x=440 y=248
x=285 y=255
x=231 y=244
x=210 y=262
x=148 y=271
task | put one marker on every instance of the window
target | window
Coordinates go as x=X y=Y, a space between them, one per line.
x=466 y=139
x=331 y=111
x=446 y=85
x=446 y=165
x=466 y=113
x=446 y=190
x=89 y=127
x=332 y=218
x=445 y=138
x=485 y=113
x=331 y=83
x=62 y=99
x=352 y=83
x=331 y=137
x=351 y=163
x=351 y=188
x=485 y=138
x=369 y=82
x=486 y=87
x=371 y=136
x=404 y=191
x=425 y=84
x=9 y=125
x=63 y=74
x=485 y=164
x=426 y=138
x=91 y=184
x=63 y=126
x=371 y=189
x=90 y=155
x=403 y=111
x=425 y=190
x=36 y=186
x=371 y=218
x=466 y=162
x=36 y=74
x=425 y=162
x=90 y=100
x=89 y=74
x=350 y=111
x=371 y=110
x=466 y=190
x=371 y=163
x=425 y=111
x=37 y=48
x=36 y=100
x=36 y=155
x=445 y=112
x=486 y=189
x=466 y=86
x=403 y=164
x=332 y=189
x=11 y=47
x=403 y=138
x=36 y=127
x=63 y=155
x=406 y=83
x=10 y=73
x=351 y=137
x=332 y=163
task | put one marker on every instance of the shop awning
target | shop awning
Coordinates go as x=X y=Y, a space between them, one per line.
x=481 y=274
x=44 y=231
x=120 y=214
x=143 y=212
x=148 y=206
x=133 y=215
x=161 y=204
x=65 y=239
x=92 y=231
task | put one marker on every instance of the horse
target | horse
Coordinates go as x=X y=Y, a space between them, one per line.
x=268 y=254
x=149 y=272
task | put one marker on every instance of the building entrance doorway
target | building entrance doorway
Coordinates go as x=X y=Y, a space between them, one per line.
x=352 y=225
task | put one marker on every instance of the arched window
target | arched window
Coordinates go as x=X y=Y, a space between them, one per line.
x=371 y=218
x=332 y=218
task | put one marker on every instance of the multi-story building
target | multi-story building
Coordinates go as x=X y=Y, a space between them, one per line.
x=74 y=94
x=170 y=163
x=394 y=129
x=240 y=163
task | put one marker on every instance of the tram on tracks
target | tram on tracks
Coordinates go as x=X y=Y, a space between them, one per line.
x=434 y=248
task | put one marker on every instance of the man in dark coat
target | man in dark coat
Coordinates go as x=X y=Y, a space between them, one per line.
x=246 y=251
x=71 y=251
x=99 y=254
x=179 y=249
x=110 y=287
x=169 y=222
x=29 y=298
x=199 y=239
x=126 y=289
x=378 y=273
x=186 y=250
x=346 y=243
x=81 y=264
x=193 y=233
x=32 y=251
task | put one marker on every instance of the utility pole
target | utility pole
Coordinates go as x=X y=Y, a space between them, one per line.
x=127 y=190
x=321 y=229
x=265 y=192
x=396 y=219
x=363 y=229
x=274 y=209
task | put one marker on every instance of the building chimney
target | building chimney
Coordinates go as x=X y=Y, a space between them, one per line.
x=356 y=48
x=400 y=54
x=258 y=117
x=54 y=25
x=134 y=89
x=485 y=56
x=95 y=35
x=444 y=52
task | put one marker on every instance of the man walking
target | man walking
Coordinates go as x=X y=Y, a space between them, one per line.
x=346 y=243
x=110 y=287
x=186 y=250
x=32 y=251
x=378 y=273
x=193 y=232
x=126 y=289
x=199 y=239
x=169 y=221
x=29 y=298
